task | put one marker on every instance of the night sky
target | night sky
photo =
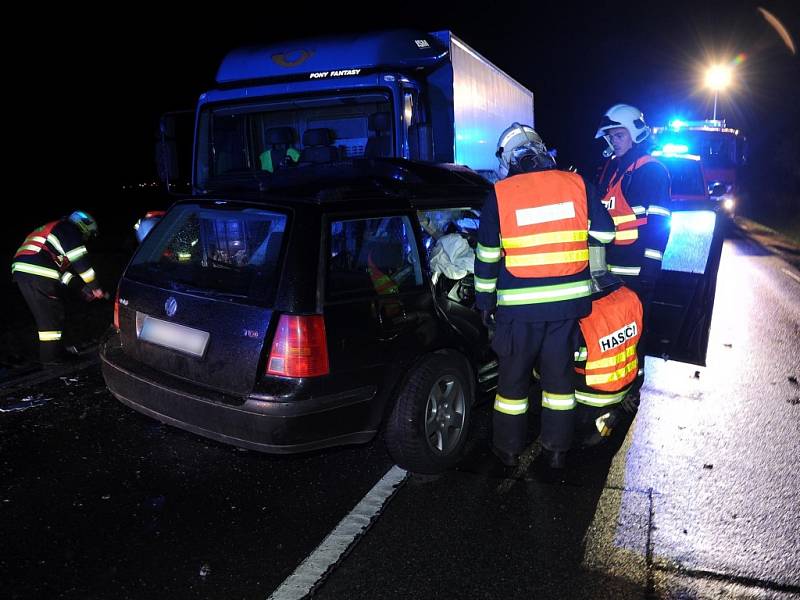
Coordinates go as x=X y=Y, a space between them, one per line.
x=91 y=85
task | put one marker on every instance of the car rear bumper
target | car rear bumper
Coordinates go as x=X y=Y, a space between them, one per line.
x=256 y=423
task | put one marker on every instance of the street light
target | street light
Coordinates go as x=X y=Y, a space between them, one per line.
x=718 y=77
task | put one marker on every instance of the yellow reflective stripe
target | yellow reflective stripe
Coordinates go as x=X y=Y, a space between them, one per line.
x=510 y=406
x=35 y=270
x=602 y=236
x=654 y=254
x=611 y=361
x=37 y=238
x=600 y=400
x=487 y=254
x=623 y=219
x=75 y=254
x=56 y=244
x=614 y=376
x=88 y=275
x=49 y=336
x=581 y=355
x=558 y=401
x=547 y=258
x=542 y=239
x=630 y=271
x=628 y=234
x=654 y=209
x=30 y=247
x=544 y=293
x=66 y=278
x=485 y=285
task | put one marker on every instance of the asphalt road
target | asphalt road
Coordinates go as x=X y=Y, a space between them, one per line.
x=700 y=500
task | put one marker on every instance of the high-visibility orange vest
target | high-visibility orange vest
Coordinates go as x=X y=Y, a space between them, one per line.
x=612 y=331
x=626 y=220
x=37 y=241
x=544 y=223
x=382 y=283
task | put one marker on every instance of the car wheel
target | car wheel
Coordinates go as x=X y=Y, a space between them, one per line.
x=427 y=429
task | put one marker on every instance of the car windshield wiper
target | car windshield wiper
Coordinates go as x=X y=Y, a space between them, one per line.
x=180 y=287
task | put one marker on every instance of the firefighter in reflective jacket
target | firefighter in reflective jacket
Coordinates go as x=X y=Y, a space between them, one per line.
x=532 y=264
x=50 y=258
x=606 y=363
x=636 y=192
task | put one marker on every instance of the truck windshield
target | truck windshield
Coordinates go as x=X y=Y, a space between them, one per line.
x=266 y=137
x=214 y=251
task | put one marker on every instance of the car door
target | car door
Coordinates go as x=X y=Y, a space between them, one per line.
x=684 y=299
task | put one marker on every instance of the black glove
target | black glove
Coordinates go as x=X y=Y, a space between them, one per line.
x=487 y=316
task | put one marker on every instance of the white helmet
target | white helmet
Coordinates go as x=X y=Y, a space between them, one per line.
x=627 y=116
x=520 y=143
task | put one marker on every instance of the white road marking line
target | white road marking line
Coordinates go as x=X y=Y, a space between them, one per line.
x=317 y=564
x=792 y=275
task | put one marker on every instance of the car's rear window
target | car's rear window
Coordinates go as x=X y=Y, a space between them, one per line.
x=214 y=250
x=686 y=177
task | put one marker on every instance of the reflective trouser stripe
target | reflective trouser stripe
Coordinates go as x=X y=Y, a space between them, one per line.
x=558 y=401
x=509 y=406
x=543 y=239
x=35 y=270
x=547 y=258
x=581 y=354
x=485 y=285
x=75 y=254
x=600 y=400
x=66 y=278
x=88 y=276
x=49 y=336
x=31 y=248
x=654 y=254
x=487 y=254
x=630 y=271
x=612 y=361
x=615 y=376
x=544 y=293
x=654 y=209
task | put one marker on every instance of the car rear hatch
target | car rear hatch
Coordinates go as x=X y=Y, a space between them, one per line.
x=196 y=300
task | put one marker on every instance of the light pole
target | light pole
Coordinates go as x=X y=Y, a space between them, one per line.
x=718 y=77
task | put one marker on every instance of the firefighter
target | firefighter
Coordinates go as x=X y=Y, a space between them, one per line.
x=532 y=267
x=636 y=192
x=607 y=362
x=51 y=257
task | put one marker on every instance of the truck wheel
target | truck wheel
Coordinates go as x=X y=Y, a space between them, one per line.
x=427 y=429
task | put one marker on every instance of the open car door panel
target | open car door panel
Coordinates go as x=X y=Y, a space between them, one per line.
x=684 y=297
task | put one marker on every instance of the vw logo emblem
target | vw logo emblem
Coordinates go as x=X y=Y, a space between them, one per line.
x=171 y=306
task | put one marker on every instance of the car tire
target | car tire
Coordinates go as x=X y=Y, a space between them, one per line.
x=428 y=426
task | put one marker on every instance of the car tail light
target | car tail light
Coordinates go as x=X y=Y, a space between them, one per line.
x=154 y=213
x=116 y=310
x=299 y=348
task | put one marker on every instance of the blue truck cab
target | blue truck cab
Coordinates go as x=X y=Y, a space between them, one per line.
x=399 y=94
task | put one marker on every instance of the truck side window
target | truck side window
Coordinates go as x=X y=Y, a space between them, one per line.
x=372 y=256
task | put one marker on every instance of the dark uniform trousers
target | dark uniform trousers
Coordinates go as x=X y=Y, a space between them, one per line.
x=550 y=345
x=45 y=299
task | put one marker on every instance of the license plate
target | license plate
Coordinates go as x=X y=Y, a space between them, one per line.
x=174 y=336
